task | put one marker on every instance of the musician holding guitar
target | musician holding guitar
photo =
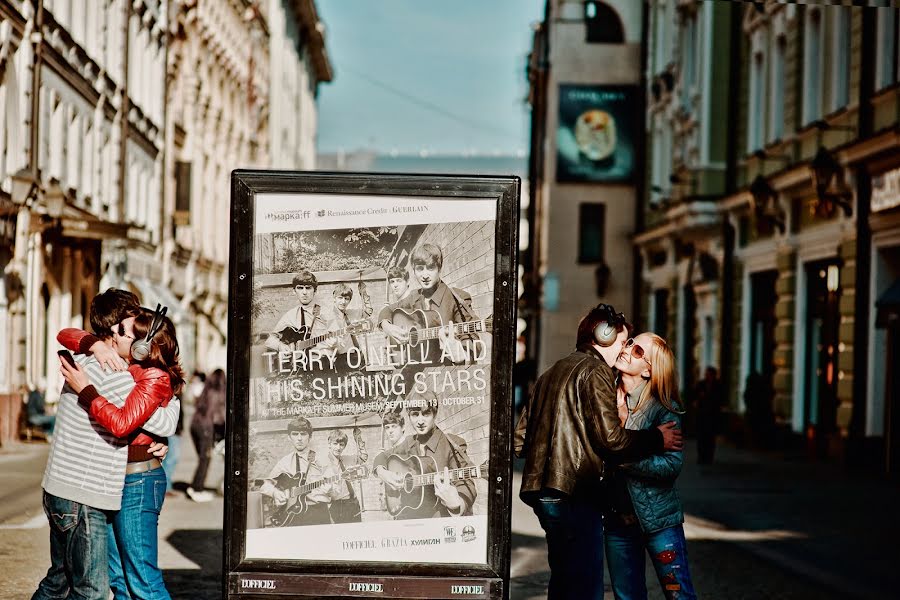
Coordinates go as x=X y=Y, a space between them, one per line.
x=297 y=469
x=345 y=506
x=303 y=318
x=343 y=316
x=452 y=304
x=455 y=495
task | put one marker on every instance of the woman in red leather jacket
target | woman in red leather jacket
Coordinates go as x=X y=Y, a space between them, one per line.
x=133 y=545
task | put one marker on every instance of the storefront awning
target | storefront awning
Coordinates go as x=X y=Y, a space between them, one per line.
x=888 y=307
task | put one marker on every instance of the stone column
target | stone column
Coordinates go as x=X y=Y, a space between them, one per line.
x=783 y=361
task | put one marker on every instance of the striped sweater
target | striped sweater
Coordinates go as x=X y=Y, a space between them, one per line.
x=86 y=462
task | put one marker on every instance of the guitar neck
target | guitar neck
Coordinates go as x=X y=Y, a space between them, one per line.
x=306 y=488
x=461 y=474
x=310 y=342
x=458 y=328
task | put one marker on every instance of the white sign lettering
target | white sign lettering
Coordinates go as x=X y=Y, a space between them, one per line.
x=886 y=190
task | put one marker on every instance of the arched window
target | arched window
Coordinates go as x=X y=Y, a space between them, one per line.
x=602 y=24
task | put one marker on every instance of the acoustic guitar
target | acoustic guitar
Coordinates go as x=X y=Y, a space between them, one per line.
x=423 y=325
x=416 y=497
x=299 y=338
x=287 y=515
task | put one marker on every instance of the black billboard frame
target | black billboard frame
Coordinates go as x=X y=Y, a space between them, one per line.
x=256 y=578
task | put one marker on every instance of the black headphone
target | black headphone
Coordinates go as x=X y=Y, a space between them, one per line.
x=607 y=329
x=140 y=349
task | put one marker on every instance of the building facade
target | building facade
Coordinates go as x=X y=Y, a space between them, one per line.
x=243 y=79
x=690 y=146
x=586 y=158
x=803 y=253
x=81 y=163
x=122 y=123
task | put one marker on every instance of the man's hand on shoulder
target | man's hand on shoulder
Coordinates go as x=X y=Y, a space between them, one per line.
x=672 y=436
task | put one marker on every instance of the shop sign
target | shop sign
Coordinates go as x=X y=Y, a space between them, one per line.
x=886 y=190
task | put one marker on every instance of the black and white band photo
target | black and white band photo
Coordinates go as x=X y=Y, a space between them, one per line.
x=370 y=376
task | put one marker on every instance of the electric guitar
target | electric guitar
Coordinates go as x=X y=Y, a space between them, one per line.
x=285 y=516
x=299 y=338
x=423 y=325
x=416 y=498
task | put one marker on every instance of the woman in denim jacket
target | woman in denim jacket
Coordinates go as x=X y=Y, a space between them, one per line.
x=643 y=512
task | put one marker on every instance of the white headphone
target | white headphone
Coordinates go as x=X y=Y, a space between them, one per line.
x=140 y=349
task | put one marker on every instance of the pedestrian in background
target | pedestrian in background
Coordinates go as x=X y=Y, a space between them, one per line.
x=170 y=462
x=709 y=399
x=207 y=428
x=37 y=409
x=643 y=513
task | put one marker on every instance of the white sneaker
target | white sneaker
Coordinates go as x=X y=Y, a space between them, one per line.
x=199 y=496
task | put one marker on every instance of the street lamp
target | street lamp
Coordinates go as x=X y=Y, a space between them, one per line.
x=832 y=278
x=825 y=169
x=23 y=186
x=763 y=195
x=55 y=199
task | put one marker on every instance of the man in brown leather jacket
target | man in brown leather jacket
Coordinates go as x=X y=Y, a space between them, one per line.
x=568 y=429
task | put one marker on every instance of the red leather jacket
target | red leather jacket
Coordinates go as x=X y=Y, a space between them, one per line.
x=152 y=389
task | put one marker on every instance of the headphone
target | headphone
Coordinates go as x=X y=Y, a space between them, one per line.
x=606 y=330
x=140 y=349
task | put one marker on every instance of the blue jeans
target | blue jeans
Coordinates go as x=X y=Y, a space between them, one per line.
x=626 y=546
x=171 y=460
x=574 y=528
x=133 y=544
x=77 y=552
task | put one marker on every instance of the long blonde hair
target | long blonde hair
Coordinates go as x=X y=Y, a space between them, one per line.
x=663 y=378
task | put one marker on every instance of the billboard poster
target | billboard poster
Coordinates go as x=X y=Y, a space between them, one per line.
x=369 y=410
x=597 y=133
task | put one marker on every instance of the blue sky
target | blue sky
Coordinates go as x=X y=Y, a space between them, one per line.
x=414 y=75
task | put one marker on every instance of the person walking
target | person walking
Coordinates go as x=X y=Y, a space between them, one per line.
x=207 y=428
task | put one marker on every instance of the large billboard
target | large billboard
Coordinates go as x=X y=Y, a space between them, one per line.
x=597 y=133
x=372 y=342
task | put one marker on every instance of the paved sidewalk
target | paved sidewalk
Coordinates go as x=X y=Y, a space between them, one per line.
x=758 y=526
x=818 y=520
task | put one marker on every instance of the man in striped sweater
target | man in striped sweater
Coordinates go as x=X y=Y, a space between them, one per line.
x=85 y=471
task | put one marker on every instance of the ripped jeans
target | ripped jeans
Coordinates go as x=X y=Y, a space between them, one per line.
x=626 y=550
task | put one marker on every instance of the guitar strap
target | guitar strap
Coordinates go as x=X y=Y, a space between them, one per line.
x=458 y=454
x=464 y=310
x=347 y=483
x=309 y=462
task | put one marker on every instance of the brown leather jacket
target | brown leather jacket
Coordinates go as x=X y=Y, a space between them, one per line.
x=570 y=426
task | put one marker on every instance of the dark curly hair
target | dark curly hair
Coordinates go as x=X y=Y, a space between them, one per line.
x=602 y=313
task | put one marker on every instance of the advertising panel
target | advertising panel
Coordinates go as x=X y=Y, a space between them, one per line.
x=596 y=138
x=369 y=413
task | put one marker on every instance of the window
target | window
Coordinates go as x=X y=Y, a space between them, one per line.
x=776 y=106
x=840 y=75
x=661 y=312
x=812 y=66
x=591 y=225
x=660 y=39
x=886 y=44
x=602 y=24
x=755 y=122
x=688 y=59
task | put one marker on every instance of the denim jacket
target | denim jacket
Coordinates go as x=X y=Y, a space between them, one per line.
x=651 y=482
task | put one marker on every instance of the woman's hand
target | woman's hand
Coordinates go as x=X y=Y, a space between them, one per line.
x=74 y=375
x=108 y=358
